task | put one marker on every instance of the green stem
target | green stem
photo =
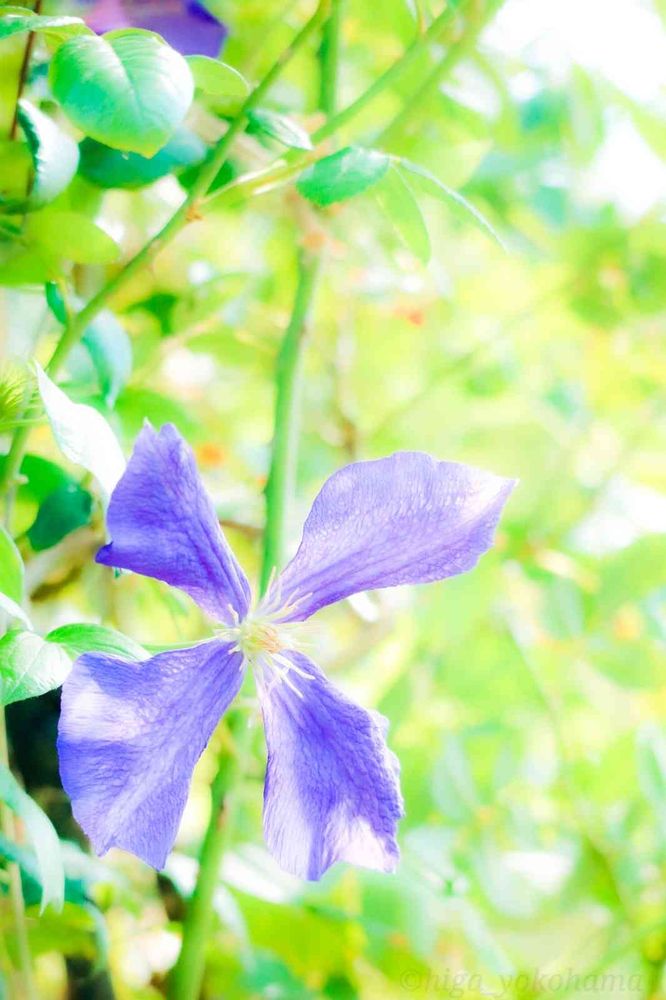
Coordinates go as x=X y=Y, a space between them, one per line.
x=23 y=72
x=280 y=485
x=329 y=61
x=25 y=985
x=388 y=78
x=473 y=28
x=186 y=212
x=187 y=975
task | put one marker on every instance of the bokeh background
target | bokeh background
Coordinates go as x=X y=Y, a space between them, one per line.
x=527 y=699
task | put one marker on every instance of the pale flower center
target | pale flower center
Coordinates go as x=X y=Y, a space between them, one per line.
x=263 y=643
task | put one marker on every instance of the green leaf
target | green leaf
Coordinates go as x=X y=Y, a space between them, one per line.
x=29 y=666
x=279 y=127
x=42 y=477
x=430 y=184
x=630 y=664
x=11 y=568
x=13 y=610
x=43 y=837
x=16 y=169
x=55 y=156
x=631 y=574
x=72 y=236
x=110 y=168
x=83 y=435
x=81 y=638
x=111 y=352
x=55 y=301
x=66 y=509
x=396 y=198
x=217 y=78
x=342 y=175
x=651 y=760
x=14 y=20
x=127 y=89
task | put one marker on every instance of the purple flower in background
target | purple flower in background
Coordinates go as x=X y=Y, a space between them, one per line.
x=131 y=733
x=185 y=24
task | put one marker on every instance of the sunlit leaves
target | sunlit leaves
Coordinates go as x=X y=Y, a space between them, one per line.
x=127 y=89
x=81 y=638
x=111 y=353
x=11 y=579
x=631 y=574
x=651 y=761
x=15 y=20
x=429 y=184
x=342 y=175
x=83 y=435
x=29 y=666
x=217 y=78
x=69 y=507
x=42 y=836
x=11 y=568
x=279 y=127
x=72 y=236
x=396 y=198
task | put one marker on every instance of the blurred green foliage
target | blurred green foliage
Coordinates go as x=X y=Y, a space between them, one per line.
x=527 y=699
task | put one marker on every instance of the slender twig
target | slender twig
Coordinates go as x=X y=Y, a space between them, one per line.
x=280 y=485
x=388 y=77
x=476 y=22
x=187 y=975
x=329 y=61
x=23 y=73
x=8 y=826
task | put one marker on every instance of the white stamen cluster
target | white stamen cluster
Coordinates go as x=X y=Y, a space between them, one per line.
x=262 y=638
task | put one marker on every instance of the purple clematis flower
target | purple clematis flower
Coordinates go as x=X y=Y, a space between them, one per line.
x=131 y=733
x=186 y=25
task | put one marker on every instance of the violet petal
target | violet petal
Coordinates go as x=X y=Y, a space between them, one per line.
x=332 y=788
x=129 y=736
x=403 y=519
x=163 y=525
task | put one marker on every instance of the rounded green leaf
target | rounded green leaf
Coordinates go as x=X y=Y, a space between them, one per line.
x=432 y=186
x=84 y=436
x=109 y=168
x=279 y=127
x=55 y=156
x=217 y=78
x=72 y=236
x=66 y=509
x=81 y=638
x=396 y=198
x=127 y=89
x=29 y=666
x=14 y=20
x=11 y=568
x=342 y=175
x=110 y=351
x=42 y=835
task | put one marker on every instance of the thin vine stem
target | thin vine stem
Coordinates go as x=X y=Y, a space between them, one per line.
x=280 y=484
x=23 y=73
x=8 y=825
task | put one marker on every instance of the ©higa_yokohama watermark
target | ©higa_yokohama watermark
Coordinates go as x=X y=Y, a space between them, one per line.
x=455 y=984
